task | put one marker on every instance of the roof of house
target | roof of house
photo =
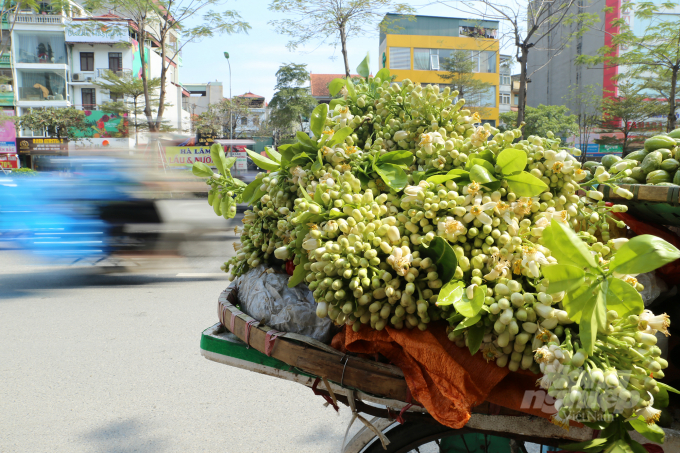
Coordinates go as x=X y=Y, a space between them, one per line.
x=320 y=83
x=249 y=95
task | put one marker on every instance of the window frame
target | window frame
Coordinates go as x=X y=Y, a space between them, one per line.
x=116 y=56
x=88 y=57
x=392 y=64
x=93 y=92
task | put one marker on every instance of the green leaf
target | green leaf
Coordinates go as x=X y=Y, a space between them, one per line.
x=474 y=338
x=218 y=158
x=335 y=102
x=350 y=89
x=563 y=277
x=511 y=161
x=229 y=162
x=317 y=194
x=318 y=121
x=456 y=173
x=397 y=158
x=487 y=156
x=566 y=247
x=594 y=314
x=574 y=302
x=339 y=136
x=271 y=152
x=642 y=254
x=468 y=322
x=588 y=446
x=619 y=446
x=636 y=447
x=263 y=162
x=307 y=143
x=623 y=298
x=238 y=182
x=289 y=151
x=304 y=193
x=525 y=184
x=451 y=293
x=252 y=188
x=661 y=399
x=392 y=175
x=483 y=163
x=442 y=255
x=668 y=387
x=336 y=85
x=201 y=170
x=299 y=273
x=363 y=68
x=302 y=156
x=316 y=166
x=481 y=175
x=652 y=432
x=470 y=307
x=383 y=75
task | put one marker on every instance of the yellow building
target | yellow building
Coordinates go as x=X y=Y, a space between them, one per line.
x=415 y=49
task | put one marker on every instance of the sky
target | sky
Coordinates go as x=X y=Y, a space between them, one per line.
x=255 y=57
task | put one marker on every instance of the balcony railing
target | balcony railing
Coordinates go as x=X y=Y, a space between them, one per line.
x=101 y=72
x=86 y=106
x=47 y=19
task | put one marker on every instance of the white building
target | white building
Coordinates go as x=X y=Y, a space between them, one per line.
x=505 y=85
x=259 y=114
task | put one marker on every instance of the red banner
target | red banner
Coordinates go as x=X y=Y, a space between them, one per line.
x=9 y=161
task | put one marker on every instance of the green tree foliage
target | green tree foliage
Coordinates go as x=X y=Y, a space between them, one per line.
x=292 y=102
x=216 y=119
x=460 y=74
x=537 y=26
x=334 y=21
x=172 y=24
x=131 y=89
x=586 y=105
x=653 y=56
x=543 y=119
x=622 y=112
x=57 y=122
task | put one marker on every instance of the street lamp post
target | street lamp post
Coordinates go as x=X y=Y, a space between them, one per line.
x=231 y=104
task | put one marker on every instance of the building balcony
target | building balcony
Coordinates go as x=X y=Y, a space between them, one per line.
x=102 y=72
x=41 y=19
x=6 y=97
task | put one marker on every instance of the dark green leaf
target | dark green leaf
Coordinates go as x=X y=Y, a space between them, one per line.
x=288 y=152
x=661 y=399
x=336 y=85
x=383 y=75
x=652 y=432
x=474 y=338
x=566 y=247
x=594 y=314
x=481 y=175
x=643 y=254
x=450 y=293
x=468 y=322
x=623 y=298
x=263 y=162
x=470 y=307
x=455 y=318
x=443 y=256
x=589 y=445
x=302 y=156
x=668 y=387
x=392 y=175
x=318 y=121
x=525 y=184
x=511 y=161
x=251 y=189
x=339 y=136
x=363 y=68
x=636 y=447
x=563 y=277
x=271 y=152
x=300 y=238
x=201 y=170
x=487 y=156
x=307 y=143
x=299 y=273
x=596 y=425
x=619 y=446
x=397 y=158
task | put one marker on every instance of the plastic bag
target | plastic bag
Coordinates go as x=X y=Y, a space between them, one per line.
x=267 y=298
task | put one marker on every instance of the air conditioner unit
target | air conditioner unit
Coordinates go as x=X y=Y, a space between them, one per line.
x=77 y=77
x=89 y=79
x=6 y=88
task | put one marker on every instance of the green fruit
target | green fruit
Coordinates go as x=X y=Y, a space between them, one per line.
x=666 y=184
x=638 y=175
x=658 y=176
x=591 y=165
x=659 y=141
x=670 y=165
x=675 y=133
x=676 y=178
x=629 y=180
x=609 y=160
x=651 y=162
x=665 y=153
x=637 y=155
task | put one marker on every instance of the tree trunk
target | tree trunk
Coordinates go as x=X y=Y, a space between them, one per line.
x=134 y=103
x=671 y=100
x=161 y=97
x=343 y=42
x=145 y=82
x=521 y=102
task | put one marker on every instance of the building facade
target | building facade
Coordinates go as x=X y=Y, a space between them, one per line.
x=505 y=84
x=415 y=50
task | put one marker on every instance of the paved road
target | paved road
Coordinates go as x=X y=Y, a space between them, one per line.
x=111 y=363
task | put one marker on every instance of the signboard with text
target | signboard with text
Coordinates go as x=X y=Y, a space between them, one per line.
x=182 y=156
x=43 y=146
x=110 y=32
x=8 y=135
x=9 y=161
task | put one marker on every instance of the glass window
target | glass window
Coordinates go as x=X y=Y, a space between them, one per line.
x=487 y=98
x=400 y=58
x=504 y=98
x=37 y=85
x=87 y=61
x=244 y=121
x=115 y=61
x=505 y=80
x=488 y=62
x=88 y=98
x=515 y=100
x=40 y=47
x=421 y=59
x=256 y=121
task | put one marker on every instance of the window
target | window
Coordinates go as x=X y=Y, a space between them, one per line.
x=515 y=100
x=39 y=47
x=400 y=58
x=115 y=61
x=87 y=61
x=421 y=59
x=505 y=98
x=256 y=121
x=88 y=98
x=244 y=121
x=488 y=62
x=477 y=32
x=505 y=80
x=39 y=85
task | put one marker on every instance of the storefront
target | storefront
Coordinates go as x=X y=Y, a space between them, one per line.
x=35 y=149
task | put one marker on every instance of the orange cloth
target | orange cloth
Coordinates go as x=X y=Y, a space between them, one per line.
x=444 y=378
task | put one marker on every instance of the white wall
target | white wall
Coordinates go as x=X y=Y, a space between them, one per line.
x=101 y=61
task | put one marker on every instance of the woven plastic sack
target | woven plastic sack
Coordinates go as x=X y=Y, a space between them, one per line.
x=267 y=298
